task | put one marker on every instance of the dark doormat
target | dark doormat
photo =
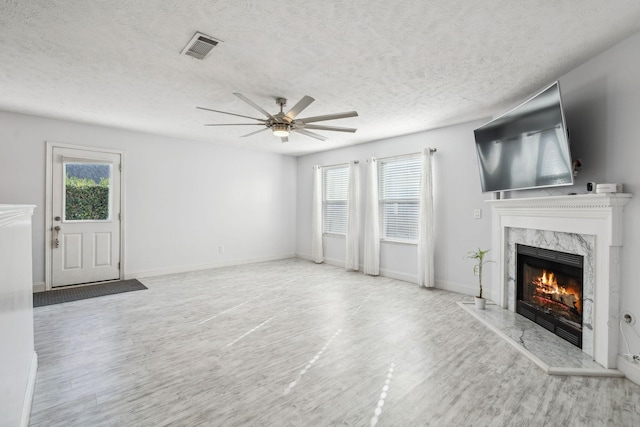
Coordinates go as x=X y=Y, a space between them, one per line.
x=58 y=296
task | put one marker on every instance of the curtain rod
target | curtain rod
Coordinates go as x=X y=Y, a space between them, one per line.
x=337 y=164
x=431 y=150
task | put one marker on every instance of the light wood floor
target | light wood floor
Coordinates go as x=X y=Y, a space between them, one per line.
x=291 y=343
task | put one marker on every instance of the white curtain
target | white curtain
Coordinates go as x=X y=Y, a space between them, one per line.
x=425 y=236
x=352 y=261
x=316 y=216
x=372 y=223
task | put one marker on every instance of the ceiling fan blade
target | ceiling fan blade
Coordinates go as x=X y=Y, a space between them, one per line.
x=253 y=104
x=330 y=117
x=231 y=114
x=284 y=139
x=297 y=109
x=331 y=128
x=235 y=124
x=253 y=133
x=311 y=134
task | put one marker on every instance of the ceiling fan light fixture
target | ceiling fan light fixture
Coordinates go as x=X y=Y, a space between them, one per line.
x=281 y=130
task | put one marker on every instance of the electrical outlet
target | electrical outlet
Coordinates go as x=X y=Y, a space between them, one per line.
x=221 y=248
x=477 y=213
x=628 y=318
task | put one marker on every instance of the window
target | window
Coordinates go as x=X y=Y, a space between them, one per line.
x=87 y=192
x=335 y=184
x=399 y=197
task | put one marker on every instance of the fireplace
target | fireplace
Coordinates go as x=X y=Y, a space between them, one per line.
x=586 y=224
x=549 y=290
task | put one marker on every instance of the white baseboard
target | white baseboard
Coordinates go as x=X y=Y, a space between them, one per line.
x=392 y=274
x=303 y=256
x=39 y=287
x=464 y=289
x=28 y=394
x=208 y=266
x=399 y=275
x=334 y=262
x=328 y=261
x=629 y=369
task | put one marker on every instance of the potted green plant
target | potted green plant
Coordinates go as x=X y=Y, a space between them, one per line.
x=477 y=271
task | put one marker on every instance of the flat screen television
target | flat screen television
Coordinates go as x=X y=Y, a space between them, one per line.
x=527 y=147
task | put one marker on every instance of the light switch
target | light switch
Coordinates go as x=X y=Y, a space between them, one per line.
x=477 y=213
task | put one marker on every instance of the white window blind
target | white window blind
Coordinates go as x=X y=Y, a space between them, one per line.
x=399 y=193
x=335 y=184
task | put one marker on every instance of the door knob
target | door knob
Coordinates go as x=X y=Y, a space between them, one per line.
x=57 y=240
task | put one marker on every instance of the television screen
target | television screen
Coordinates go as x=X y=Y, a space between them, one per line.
x=526 y=147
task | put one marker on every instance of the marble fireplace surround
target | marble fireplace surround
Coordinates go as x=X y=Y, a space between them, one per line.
x=589 y=225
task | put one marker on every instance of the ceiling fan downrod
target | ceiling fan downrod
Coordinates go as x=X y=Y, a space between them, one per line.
x=282 y=102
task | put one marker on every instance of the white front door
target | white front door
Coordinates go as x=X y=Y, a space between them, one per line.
x=85 y=235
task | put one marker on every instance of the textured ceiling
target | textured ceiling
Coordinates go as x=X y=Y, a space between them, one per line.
x=405 y=66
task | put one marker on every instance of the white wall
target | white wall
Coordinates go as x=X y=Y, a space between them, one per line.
x=456 y=193
x=602 y=107
x=183 y=198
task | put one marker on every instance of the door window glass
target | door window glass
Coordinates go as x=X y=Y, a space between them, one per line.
x=87 y=192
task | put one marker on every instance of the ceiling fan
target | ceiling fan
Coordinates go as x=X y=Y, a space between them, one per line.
x=282 y=124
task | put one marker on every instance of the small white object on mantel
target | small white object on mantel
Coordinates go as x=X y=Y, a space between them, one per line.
x=608 y=188
x=598 y=215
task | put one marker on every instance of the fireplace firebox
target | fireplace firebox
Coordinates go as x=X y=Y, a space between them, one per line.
x=549 y=290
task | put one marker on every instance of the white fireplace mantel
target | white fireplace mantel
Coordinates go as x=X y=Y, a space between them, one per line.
x=597 y=217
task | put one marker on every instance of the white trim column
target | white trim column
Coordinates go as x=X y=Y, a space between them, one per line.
x=18 y=361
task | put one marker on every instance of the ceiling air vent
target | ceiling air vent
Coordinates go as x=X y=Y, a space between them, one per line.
x=199 y=46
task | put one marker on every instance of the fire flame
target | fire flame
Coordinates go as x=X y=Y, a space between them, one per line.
x=548 y=284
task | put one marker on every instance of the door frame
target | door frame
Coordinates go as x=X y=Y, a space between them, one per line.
x=48 y=216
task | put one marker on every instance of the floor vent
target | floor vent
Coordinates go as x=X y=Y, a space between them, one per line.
x=199 y=46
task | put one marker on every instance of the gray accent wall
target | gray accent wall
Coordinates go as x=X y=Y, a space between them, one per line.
x=602 y=99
